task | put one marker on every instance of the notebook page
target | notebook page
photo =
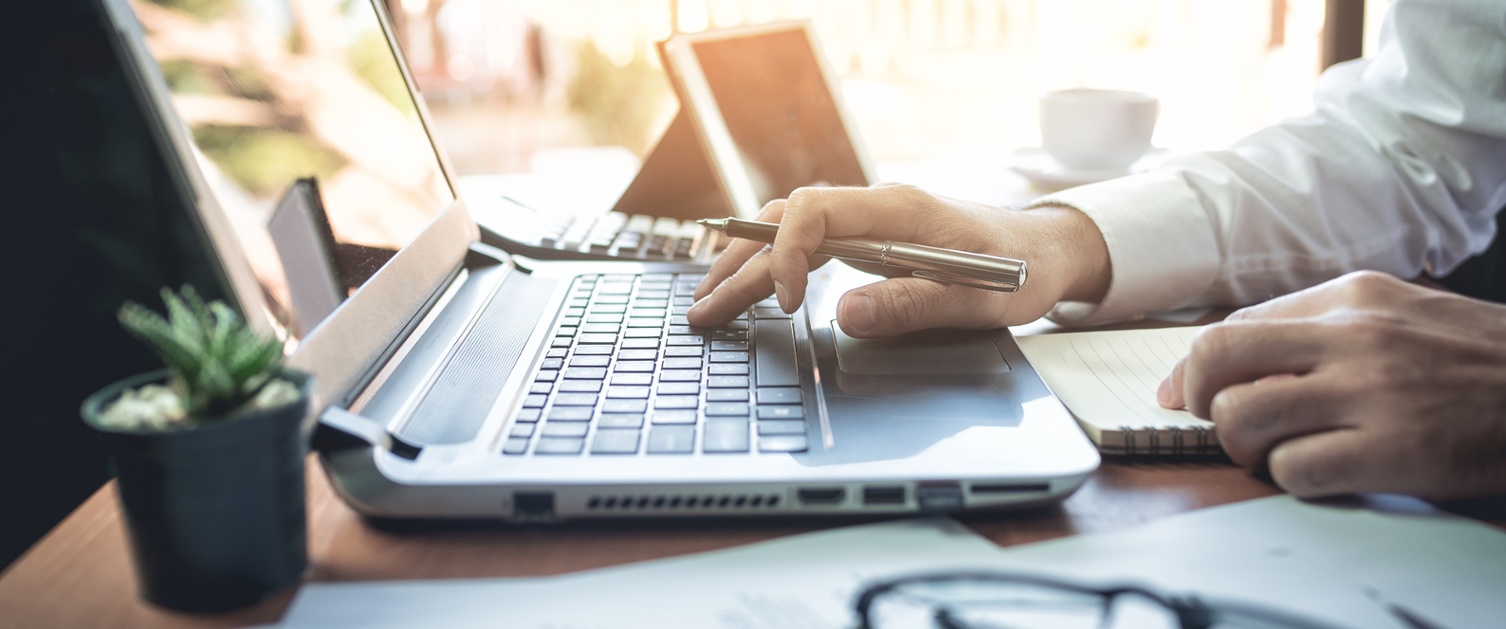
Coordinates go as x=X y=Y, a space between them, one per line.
x=1109 y=379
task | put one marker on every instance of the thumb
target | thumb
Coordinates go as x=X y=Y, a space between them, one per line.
x=900 y=305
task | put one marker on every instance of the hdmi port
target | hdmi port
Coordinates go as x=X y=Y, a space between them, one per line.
x=821 y=495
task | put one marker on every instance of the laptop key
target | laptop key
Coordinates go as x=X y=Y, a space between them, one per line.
x=680 y=375
x=779 y=395
x=586 y=373
x=521 y=431
x=529 y=414
x=534 y=400
x=638 y=354
x=542 y=387
x=729 y=346
x=781 y=427
x=580 y=386
x=515 y=446
x=634 y=366
x=627 y=392
x=547 y=375
x=590 y=361
x=624 y=406
x=564 y=429
x=560 y=445
x=729 y=369
x=725 y=435
x=640 y=343
x=679 y=388
x=571 y=413
x=727 y=382
x=683 y=350
x=615 y=441
x=781 y=443
x=775 y=354
x=674 y=416
x=781 y=412
x=575 y=399
x=727 y=395
x=728 y=357
x=686 y=340
x=677 y=401
x=682 y=363
x=739 y=409
x=594 y=350
x=632 y=379
x=670 y=440
x=620 y=420
x=597 y=339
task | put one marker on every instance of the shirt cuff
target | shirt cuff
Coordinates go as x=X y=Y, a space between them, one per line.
x=1162 y=250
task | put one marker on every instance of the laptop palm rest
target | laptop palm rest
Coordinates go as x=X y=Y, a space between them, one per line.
x=893 y=398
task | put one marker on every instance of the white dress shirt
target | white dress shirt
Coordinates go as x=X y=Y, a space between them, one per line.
x=1401 y=169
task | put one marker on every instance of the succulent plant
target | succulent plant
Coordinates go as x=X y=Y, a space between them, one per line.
x=217 y=364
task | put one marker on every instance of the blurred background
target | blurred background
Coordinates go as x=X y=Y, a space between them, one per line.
x=519 y=86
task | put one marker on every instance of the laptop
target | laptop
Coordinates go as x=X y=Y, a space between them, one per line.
x=459 y=381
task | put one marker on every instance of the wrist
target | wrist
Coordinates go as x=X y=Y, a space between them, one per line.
x=1082 y=249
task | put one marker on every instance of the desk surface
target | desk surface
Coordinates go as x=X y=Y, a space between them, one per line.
x=80 y=574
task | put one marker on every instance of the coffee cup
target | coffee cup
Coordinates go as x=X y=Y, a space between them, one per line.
x=1097 y=129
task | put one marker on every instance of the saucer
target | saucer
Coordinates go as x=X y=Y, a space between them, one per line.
x=1045 y=172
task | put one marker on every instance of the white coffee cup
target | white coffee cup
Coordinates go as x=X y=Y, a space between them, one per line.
x=1097 y=129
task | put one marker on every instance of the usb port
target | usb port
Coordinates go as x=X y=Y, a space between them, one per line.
x=821 y=495
x=884 y=495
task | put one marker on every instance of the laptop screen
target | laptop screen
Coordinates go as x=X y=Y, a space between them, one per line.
x=308 y=136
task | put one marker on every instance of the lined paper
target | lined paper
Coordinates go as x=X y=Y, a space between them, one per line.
x=1108 y=381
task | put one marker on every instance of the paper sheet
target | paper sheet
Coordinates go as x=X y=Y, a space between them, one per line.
x=1109 y=379
x=790 y=583
x=1343 y=564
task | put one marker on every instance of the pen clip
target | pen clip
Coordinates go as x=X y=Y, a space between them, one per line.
x=960 y=280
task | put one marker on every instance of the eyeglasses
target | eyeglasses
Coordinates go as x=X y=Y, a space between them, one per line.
x=988 y=600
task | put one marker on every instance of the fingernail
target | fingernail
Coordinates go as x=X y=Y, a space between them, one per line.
x=697 y=307
x=1163 y=393
x=859 y=312
x=779 y=294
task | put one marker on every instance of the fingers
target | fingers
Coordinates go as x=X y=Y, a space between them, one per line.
x=737 y=253
x=749 y=284
x=1342 y=462
x=1254 y=418
x=814 y=214
x=908 y=304
x=1231 y=353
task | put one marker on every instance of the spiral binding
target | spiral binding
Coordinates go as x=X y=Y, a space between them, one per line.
x=1203 y=443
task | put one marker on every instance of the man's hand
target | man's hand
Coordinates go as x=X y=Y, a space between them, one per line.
x=1065 y=252
x=1363 y=384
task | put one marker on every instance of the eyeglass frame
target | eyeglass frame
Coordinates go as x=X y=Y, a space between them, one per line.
x=1191 y=611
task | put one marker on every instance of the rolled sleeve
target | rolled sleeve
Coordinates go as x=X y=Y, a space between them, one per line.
x=1162 y=249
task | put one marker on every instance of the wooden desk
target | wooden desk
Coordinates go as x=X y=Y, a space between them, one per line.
x=80 y=575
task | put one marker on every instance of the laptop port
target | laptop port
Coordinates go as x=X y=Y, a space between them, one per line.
x=533 y=506
x=884 y=495
x=939 y=497
x=821 y=495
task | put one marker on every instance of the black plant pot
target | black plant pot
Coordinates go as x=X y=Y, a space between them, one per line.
x=216 y=512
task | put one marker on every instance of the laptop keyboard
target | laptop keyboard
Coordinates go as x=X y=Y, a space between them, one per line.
x=626 y=375
x=636 y=236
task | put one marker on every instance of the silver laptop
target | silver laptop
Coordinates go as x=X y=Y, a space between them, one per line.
x=459 y=381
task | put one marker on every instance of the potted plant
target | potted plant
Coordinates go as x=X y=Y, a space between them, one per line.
x=209 y=456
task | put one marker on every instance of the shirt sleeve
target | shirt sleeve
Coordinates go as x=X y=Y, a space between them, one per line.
x=1401 y=168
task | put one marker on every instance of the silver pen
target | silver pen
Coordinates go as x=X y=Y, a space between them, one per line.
x=933 y=263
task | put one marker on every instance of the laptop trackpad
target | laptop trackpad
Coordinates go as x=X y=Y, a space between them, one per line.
x=926 y=352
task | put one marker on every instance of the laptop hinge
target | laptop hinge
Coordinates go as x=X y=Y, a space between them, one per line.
x=340 y=429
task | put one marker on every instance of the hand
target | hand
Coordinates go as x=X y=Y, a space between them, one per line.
x=1365 y=383
x=1065 y=252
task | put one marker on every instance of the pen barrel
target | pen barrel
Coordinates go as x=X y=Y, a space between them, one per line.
x=959 y=266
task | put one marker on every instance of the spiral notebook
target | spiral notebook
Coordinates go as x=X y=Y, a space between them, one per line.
x=1109 y=379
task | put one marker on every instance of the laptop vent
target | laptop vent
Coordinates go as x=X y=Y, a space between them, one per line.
x=677 y=502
